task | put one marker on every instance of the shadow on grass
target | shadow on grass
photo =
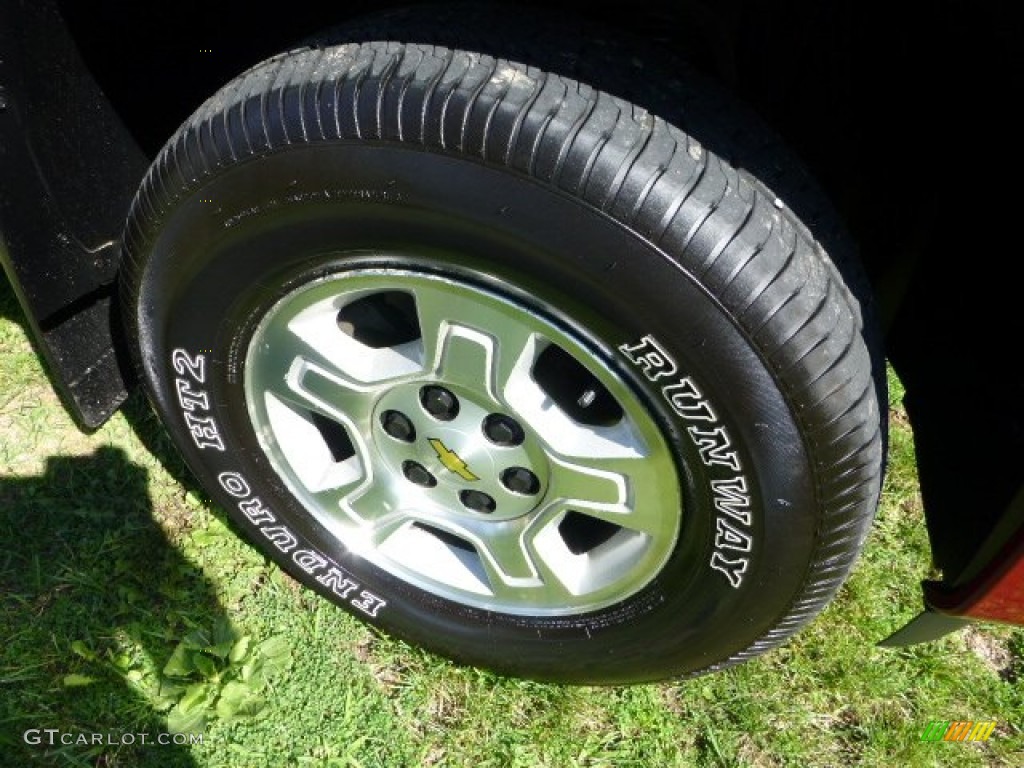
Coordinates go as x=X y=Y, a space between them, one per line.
x=135 y=409
x=93 y=599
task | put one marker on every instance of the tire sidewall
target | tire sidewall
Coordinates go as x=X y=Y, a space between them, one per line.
x=250 y=234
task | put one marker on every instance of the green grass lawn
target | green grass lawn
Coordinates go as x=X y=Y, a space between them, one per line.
x=115 y=569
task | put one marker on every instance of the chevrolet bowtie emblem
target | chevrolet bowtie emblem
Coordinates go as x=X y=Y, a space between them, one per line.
x=450 y=459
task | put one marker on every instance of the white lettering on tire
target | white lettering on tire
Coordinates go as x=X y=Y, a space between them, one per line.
x=341 y=583
x=730 y=495
x=194 y=402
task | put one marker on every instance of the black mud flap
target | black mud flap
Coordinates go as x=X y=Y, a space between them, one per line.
x=68 y=171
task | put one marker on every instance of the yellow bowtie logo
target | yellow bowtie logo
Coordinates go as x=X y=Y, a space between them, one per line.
x=451 y=461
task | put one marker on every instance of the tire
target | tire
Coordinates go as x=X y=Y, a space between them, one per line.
x=505 y=365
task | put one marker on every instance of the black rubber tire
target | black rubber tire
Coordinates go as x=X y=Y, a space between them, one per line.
x=673 y=262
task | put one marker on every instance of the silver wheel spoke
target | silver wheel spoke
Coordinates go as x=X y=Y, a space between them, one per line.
x=466 y=358
x=513 y=568
x=283 y=347
x=472 y=345
x=563 y=434
x=575 y=482
x=503 y=547
x=334 y=498
x=332 y=395
x=376 y=503
x=312 y=331
x=305 y=379
x=618 y=491
x=377 y=534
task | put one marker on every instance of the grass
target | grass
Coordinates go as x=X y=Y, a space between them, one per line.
x=112 y=562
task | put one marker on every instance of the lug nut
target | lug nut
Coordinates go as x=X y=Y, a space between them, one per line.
x=520 y=480
x=478 y=501
x=503 y=430
x=397 y=425
x=439 y=403
x=418 y=474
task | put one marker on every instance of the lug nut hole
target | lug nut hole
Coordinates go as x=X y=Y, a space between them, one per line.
x=398 y=426
x=417 y=474
x=478 y=501
x=503 y=430
x=520 y=480
x=439 y=402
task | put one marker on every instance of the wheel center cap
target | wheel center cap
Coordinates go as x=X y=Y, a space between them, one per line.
x=453 y=452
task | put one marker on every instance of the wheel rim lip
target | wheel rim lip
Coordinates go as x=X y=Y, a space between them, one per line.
x=632 y=558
